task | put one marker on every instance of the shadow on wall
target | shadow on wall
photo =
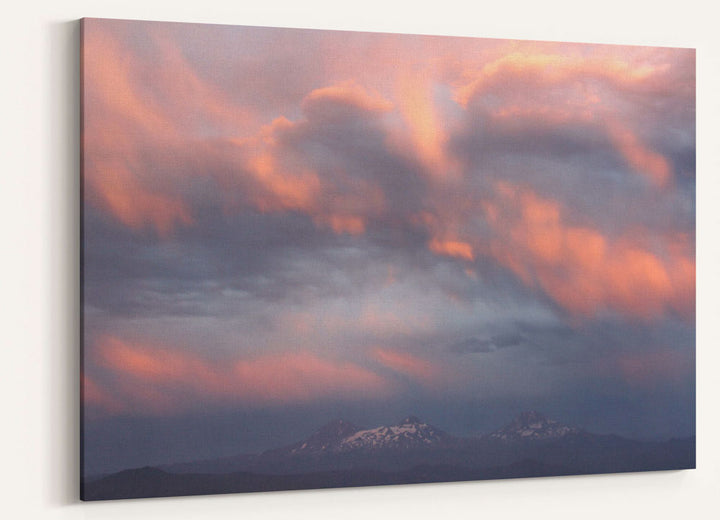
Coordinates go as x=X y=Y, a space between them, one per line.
x=62 y=360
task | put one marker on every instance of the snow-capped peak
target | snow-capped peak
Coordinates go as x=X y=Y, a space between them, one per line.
x=532 y=425
x=342 y=436
x=411 y=432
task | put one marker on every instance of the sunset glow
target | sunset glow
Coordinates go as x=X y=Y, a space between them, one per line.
x=283 y=225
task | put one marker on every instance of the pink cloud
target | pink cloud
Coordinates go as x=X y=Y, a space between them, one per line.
x=535 y=87
x=284 y=179
x=95 y=396
x=134 y=140
x=583 y=270
x=425 y=128
x=158 y=379
x=454 y=248
x=347 y=93
x=407 y=364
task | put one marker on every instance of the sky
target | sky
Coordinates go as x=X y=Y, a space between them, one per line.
x=283 y=227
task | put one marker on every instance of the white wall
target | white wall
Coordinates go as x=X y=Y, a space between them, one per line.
x=39 y=199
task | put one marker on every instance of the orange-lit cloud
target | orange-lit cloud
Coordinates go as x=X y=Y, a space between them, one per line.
x=134 y=139
x=352 y=225
x=426 y=132
x=95 y=396
x=531 y=88
x=121 y=192
x=158 y=379
x=347 y=93
x=543 y=69
x=454 y=248
x=407 y=364
x=445 y=225
x=116 y=115
x=638 y=156
x=280 y=188
x=583 y=270
x=286 y=180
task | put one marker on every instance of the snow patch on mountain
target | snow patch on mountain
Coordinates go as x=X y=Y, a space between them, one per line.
x=409 y=433
x=533 y=425
x=341 y=436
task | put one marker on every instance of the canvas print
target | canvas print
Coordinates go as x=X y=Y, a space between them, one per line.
x=317 y=259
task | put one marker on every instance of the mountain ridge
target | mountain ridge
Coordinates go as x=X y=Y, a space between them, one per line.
x=341 y=454
x=340 y=445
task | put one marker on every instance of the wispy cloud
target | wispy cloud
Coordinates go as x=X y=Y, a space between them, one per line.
x=161 y=379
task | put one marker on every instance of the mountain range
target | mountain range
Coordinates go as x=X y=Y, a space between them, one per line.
x=341 y=454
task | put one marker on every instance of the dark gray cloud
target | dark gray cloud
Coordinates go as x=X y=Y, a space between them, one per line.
x=577 y=166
